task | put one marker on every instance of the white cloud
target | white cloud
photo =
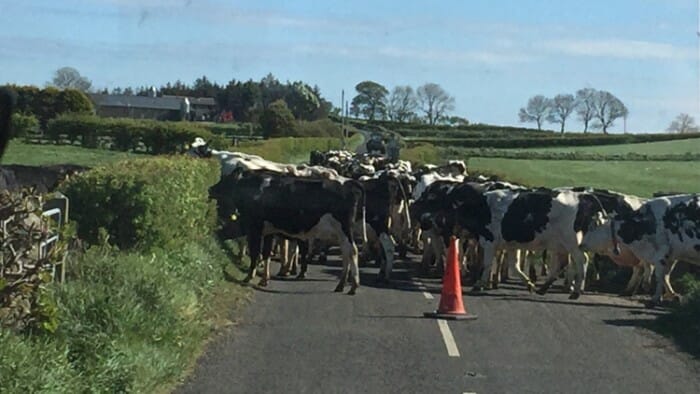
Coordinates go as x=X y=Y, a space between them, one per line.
x=617 y=48
x=414 y=54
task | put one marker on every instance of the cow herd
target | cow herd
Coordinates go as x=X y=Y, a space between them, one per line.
x=342 y=197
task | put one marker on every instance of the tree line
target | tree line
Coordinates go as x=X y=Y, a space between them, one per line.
x=596 y=109
x=429 y=103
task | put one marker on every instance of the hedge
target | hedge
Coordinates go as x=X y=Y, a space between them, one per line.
x=127 y=134
x=150 y=202
x=577 y=156
x=578 y=140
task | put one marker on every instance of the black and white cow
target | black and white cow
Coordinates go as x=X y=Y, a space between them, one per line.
x=266 y=203
x=662 y=231
x=510 y=220
x=593 y=202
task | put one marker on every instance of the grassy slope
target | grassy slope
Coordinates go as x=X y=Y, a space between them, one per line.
x=639 y=178
x=649 y=148
x=32 y=154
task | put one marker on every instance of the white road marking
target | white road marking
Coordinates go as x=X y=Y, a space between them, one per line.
x=469 y=392
x=426 y=294
x=452 y=350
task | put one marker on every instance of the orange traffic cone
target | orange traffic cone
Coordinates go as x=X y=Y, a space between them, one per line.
x=451 y=305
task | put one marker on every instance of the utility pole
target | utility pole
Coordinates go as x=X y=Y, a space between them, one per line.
x=342 y=118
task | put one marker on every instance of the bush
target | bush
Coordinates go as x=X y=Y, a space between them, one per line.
x=154 y=202
x=277 y=120
x=45 y=104
x=683 y=323
x=128 y=323
x=23 y=125
x=317 y=128
x=158 y=137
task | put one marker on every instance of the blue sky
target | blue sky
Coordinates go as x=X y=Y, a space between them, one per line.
x=491 y=55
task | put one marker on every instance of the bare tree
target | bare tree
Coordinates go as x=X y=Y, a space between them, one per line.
x=683 y=123
x=68 y=77
x=537 y=110
x=585 y=106
x=607 y=108
x=560 y=108
x=402 y=104
x=435 y=102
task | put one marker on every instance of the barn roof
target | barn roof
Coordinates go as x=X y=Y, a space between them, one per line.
x=121 y=100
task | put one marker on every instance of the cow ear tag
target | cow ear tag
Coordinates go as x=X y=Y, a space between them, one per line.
x=234 y=217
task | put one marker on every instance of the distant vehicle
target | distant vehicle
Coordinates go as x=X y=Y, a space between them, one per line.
x=376 y=144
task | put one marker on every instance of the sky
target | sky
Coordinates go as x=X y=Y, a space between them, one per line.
x=491 y=55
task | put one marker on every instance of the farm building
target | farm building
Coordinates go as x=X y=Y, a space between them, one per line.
x=152 y=107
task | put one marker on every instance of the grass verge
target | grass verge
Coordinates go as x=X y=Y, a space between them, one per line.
x=128 y=322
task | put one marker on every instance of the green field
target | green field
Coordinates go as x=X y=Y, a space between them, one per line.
x=648 y=148
x=639 y=178
x=33 y=154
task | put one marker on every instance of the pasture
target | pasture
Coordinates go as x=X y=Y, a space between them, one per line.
x=641 y=178
x=647 y=148
x=19 y=152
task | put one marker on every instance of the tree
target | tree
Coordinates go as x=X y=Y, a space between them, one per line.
x=683 y=123
x=434 y=102
x=537 y=110
x=302 y=100
x=560 y=108
x=585 y=106
x=370 y=100
x=402 y=104
x=457 y=121
x=277 y=120
x=75 y=101
x=68 y=77
x=607 y=108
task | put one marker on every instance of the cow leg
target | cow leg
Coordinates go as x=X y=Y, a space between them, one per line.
x=554 y=271
x=254 y=244
x=428 y=252
x=304 y=257
x=294 y=259
x=646 y=276
x=514 y=258
x=266 y=250
x=489 y=254
x=580 y=265
x=388 y=260
x=350 y=266
x=669 y=293
x=634 y=281
x=284 y=258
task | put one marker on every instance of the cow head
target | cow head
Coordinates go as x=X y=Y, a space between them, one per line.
x=227 y=208
x=199 y=148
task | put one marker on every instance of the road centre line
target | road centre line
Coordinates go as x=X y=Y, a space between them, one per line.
x=447 y=337
x=424 y=289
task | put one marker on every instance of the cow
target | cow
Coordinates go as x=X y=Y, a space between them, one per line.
x=386 y=202
x=7 y=105
x=265 y=203
x=661 y=231
x=230 y=161
x=507 y=220
x=45 y=179
x=591 y=202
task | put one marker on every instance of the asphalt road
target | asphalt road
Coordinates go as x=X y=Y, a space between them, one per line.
x=300 y=337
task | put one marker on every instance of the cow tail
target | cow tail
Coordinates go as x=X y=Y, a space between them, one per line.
x=405 y=199
x=364 y=215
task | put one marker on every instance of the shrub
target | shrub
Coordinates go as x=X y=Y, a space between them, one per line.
x=153 y=202
x=158 y=137
x=317 y=128
x=128 y=323
x=24 y=125
x=277 y=120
